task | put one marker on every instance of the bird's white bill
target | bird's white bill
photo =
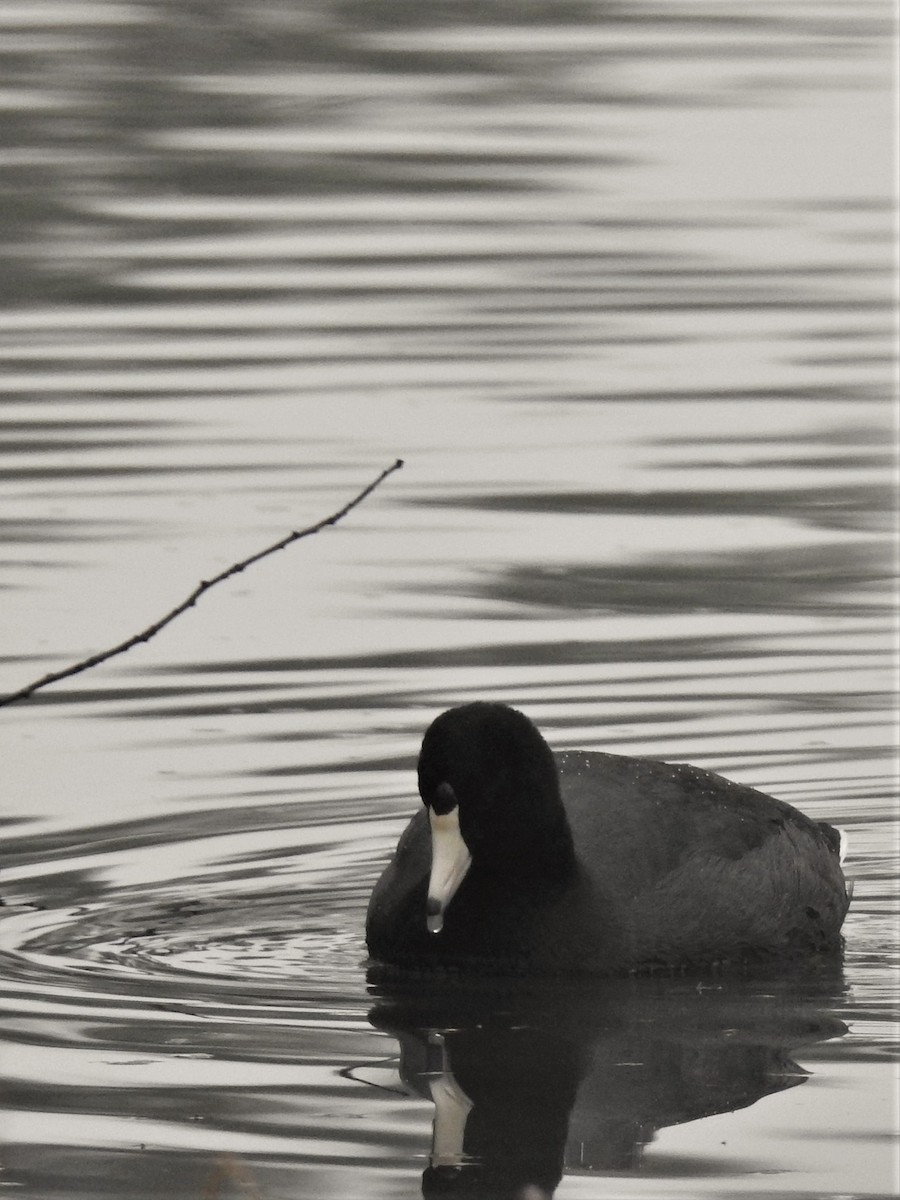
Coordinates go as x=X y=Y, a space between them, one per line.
x=450 y=859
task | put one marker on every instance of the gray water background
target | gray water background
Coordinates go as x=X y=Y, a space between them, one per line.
x=617 y=283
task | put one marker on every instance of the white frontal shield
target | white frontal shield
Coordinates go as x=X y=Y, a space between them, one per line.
x=450 y=859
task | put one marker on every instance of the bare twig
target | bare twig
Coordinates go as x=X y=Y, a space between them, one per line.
x=235 y=569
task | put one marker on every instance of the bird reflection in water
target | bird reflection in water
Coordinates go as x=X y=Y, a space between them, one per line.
x=533 y=1078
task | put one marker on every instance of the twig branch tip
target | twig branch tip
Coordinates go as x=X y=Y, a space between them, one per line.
x=204 y=586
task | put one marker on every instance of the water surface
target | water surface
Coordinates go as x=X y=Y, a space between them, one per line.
x=616 y=284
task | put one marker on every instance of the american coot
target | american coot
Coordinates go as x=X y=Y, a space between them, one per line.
x=523 y=860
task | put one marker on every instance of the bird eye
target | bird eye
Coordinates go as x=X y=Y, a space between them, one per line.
x=444 y=798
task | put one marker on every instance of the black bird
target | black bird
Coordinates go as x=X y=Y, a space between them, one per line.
x=526 y=861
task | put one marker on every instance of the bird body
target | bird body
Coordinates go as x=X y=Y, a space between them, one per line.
x=582 y=862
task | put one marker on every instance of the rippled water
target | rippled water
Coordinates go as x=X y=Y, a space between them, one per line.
x=615 y=283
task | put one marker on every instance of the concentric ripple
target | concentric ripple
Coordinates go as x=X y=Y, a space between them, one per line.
x=289 y=933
